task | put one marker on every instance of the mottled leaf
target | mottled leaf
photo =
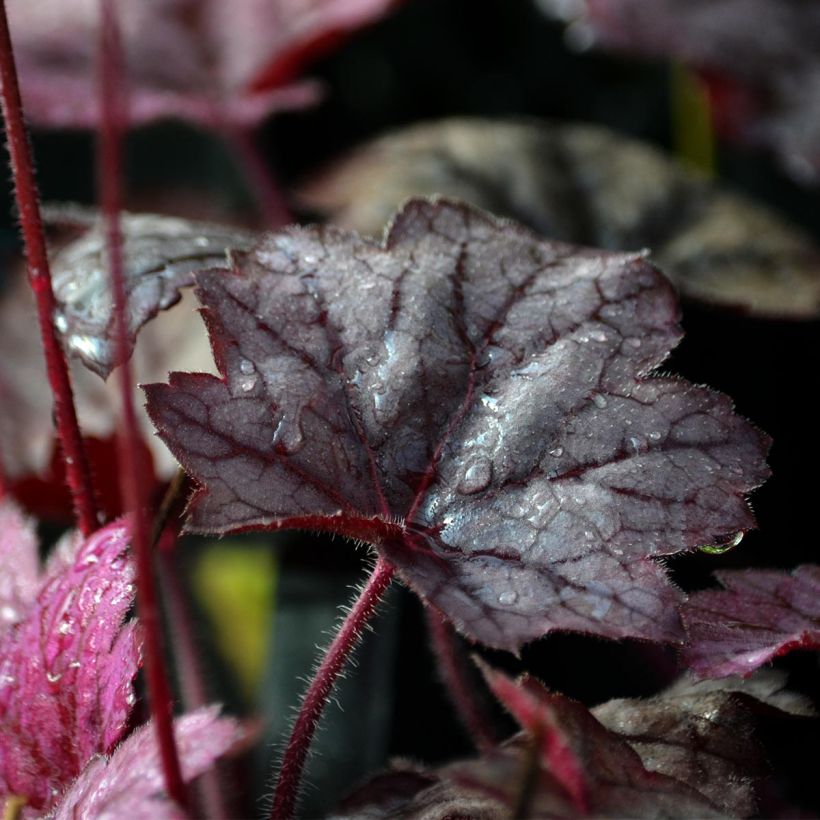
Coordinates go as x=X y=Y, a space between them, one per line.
x=161 y=254
x=473 y=400
x=208 y=61
x=759 y=615
x=589 y=186
x=768 y=48
x=67 y=668
x=130 y=782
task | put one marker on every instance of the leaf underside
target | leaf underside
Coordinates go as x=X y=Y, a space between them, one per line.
x=475 y=402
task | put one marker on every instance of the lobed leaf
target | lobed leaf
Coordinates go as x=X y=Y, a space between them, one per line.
x=759 y=615
x=130 y=782
x=214 y=63
x=590 y=186
x=475 y=402
x=67 y=667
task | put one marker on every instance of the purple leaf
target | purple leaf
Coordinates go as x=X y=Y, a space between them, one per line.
x=474 y=401
x=768 y=49
x=130 y=782
x=161 y=254
x=213 y=63
x=759 y=615
x=67 y=667
x=587 y=185
x=701 y=735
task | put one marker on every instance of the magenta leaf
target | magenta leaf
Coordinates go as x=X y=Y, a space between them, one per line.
x=474 y=401
x=762 y=56
x=130 y=783
x=759 y=615
x=160 y=255
x=19 y=565
x=67 y=666
x=214 y=63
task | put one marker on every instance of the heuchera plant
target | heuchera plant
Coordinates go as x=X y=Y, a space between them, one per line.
x=479 y=404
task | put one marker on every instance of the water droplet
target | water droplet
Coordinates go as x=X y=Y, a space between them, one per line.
x=288 y=437
x=65 y=628
x=310 y=259
x=8 y=614
x=637 y=445
x=597 y=336
x=508 y=598
x=655 y=435
x=634 y=341
x=74 y=665
x=60 y=322
x=557 y=452
x=477 y=477
x=600 y=401
x=201 y=241
x=247 y=384
x=53 y=677
x=723 y=543
x=246 y=367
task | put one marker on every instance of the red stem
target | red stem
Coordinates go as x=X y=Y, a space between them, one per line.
x=135 y=482
x=78 y=474
x=458 y=675
x=287 y=788
x=259 y=176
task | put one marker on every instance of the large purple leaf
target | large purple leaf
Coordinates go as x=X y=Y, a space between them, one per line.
x=587 y=185
x=161 y=254
x=473 y=400
x=759 y=615
x=767 y=47
x=131 y=784
x=67 y=667
x=208 y=61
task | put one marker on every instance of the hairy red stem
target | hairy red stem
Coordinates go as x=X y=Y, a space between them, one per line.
x=458 y=675
x=134 y=479
x=259 y=176
x=290 y=775
x=78 y=473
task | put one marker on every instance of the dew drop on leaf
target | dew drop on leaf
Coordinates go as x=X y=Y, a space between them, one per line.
x=476 y=478
x=722 y=544
x=507 y=598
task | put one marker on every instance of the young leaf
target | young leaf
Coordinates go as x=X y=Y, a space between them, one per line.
x=759 y=615
x=130 y=784
x=210 y=62
x=474 y=401
x=67 y=665
x=767 y=49
x=589 y=186
x=160 y=256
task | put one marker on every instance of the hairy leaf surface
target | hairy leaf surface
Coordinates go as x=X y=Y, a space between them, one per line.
x=759 y=615
x=761 y=55
x=474 y=401
x=67 y=665
x=130 y=782
x=160 y=255
x=208 y=61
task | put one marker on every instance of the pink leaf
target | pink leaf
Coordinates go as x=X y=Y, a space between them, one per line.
x=130 y=782
x=474 y=401
x=759 y=615
x=67 y=667
x=760 y=57
x=208 y=61
x=19 y=565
